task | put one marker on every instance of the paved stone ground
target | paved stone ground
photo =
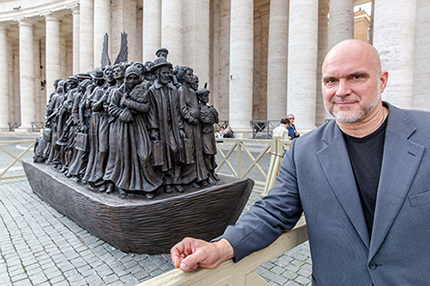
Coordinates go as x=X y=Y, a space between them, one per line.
x=39 y=246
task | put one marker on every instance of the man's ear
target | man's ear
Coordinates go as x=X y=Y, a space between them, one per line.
x=383 y=80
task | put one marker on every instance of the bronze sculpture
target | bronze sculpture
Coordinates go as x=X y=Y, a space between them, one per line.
x=140 y=155
x=194 y=171
x=131 y=129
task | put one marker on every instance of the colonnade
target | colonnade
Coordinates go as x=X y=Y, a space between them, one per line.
x=218 y=39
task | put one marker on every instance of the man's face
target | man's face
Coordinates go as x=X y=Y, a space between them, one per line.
x=352 y=82
x=164 y=75
x=109 y=74
x=163 y=54
x=291 y=118
x=132 y=80
x=118 y=73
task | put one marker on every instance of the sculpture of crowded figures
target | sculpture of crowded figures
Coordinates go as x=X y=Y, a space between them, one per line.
x=132 y=129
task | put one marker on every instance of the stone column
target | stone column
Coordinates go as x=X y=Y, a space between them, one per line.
x=196 y=38
x=124 y=20
x=394 y=38
x=277 y=60
x=302 y=62
x=102 y=25
x=63 y=60
x=11 y=72
x=39 y=95
x=139 y=34
x=320 y=113
x=241 y=66
x=76 y=29
x=26 y=67
x=4 y=81
x=16 y=98
x=53 y=52
x=341 y=21
x=86 y=36
x=151 y=28
x=422 y=57
x=171 y=30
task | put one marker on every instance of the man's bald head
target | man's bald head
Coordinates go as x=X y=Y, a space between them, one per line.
x=354 y=47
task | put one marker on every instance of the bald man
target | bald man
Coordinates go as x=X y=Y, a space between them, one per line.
x=362 y=181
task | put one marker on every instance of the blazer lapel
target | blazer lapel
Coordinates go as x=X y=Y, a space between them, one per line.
x=400 y=162
x=341 y=178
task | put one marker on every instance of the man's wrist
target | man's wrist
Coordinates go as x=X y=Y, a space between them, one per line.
x=225 y=249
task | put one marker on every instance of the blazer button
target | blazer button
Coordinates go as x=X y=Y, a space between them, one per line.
x=372 y=265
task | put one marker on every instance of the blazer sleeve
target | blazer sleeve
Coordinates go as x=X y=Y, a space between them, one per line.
x=266 y=220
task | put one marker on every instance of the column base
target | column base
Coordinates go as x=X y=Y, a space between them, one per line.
x=5 y=129
x=242 y=133
x=23 y=129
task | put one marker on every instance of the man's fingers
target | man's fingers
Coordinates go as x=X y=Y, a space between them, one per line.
x=190 y=263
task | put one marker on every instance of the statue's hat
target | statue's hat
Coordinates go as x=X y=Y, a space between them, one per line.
x=160 y=50
x=160 y=62
x=97 y=73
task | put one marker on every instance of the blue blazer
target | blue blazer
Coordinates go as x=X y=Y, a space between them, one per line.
x=316 y=178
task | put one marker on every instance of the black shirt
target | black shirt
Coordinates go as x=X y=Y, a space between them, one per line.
x=366 y=160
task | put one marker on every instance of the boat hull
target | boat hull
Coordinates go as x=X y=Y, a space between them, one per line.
x=139 y=225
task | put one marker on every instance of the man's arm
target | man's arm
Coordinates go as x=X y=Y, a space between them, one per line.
x=190 y=253
x=258 y=228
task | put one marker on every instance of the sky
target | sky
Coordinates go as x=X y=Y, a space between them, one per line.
x=366 y=7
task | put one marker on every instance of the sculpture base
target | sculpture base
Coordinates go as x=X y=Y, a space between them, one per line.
x=139 y=225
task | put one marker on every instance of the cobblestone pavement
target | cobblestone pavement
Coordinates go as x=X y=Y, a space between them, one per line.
x=39 y=246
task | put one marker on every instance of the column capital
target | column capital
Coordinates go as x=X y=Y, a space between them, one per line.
x=26 y=22
x=75 y=9
x=51 y=17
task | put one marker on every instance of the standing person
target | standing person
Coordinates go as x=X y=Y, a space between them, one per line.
x=128 y=165
x=94 y=128
x=281 y=130
x=292 y=126
x=208 y=117
x=362 y=185
x=166 y=127
x=194 y=171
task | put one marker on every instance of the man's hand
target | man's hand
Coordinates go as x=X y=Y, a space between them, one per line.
x=190 y=253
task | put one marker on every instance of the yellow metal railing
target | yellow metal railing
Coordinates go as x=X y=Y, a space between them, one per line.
x=241 y=147
x=16 y=159
x=235 y=274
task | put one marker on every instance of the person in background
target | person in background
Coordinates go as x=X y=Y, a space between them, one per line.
x=281 y=130
x=229 y=133
x=291 y=118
